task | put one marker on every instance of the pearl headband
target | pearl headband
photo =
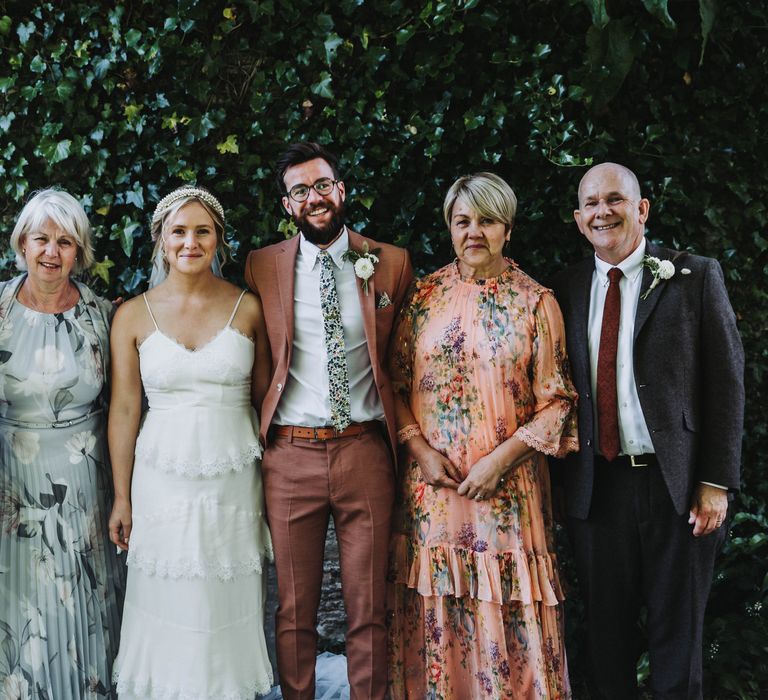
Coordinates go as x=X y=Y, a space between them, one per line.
x=189 y=192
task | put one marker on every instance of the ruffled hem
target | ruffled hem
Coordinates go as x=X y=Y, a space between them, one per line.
x=144 y=688
x=559 y=449
x=447 y=570
x=170 y=462
x=200 y=540
x=195 y=568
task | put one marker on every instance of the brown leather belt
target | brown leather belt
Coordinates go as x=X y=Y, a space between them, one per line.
x=325 y=433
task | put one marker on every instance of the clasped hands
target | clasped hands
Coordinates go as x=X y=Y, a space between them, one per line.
x=481 y=482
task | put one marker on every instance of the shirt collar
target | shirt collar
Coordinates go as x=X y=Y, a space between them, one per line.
x=631 y=266
x=336 y=250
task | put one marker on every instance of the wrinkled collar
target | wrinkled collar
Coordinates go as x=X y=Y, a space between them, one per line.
x=631 y=266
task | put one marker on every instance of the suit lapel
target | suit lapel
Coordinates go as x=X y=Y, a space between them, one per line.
x=647 y=305
x=285 y=263
x=367 y=301
x=581 y=290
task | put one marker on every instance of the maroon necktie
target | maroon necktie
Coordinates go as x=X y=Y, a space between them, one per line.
x=607 y=401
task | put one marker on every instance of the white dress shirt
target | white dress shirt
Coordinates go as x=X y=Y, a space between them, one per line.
x=633 y=432
x=305 y=400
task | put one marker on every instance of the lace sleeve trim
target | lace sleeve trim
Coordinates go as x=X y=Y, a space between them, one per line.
x=562 y=447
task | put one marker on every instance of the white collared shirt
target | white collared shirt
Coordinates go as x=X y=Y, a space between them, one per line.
x=305 y=398
x=633 y=432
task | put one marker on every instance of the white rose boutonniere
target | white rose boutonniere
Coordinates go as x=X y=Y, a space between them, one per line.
x=660 y=269
x=364 y=263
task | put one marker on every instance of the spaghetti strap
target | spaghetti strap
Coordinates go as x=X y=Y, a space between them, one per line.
x=234 y=311
x=149 y=308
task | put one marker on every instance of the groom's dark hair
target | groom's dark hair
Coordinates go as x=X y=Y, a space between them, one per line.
x=301 y=152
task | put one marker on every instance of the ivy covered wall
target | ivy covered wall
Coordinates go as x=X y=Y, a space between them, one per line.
x=119 y=102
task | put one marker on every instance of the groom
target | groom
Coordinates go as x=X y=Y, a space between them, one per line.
x=328 y=418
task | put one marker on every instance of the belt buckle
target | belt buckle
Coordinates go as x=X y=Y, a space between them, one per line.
x=633 y=463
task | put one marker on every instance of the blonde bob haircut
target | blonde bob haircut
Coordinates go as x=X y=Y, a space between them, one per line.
x=163 y=215
x=64 y=211
x=487 y=194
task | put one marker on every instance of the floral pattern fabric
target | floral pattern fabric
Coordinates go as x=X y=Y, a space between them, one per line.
x=338 y=378
x=476 y=599
x=60 y=580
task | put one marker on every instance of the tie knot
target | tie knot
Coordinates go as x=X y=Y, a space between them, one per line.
x=325 y=258
x=615 y=274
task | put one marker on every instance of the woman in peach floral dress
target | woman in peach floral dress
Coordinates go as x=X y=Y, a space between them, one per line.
x=483 y=395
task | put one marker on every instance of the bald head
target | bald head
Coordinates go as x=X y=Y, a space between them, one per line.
x=612 y=212
x=622 y=174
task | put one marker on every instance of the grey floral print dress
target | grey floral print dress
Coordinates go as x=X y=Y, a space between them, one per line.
x=60 y=580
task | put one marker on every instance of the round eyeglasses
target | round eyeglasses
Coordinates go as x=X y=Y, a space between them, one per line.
x=324 y=186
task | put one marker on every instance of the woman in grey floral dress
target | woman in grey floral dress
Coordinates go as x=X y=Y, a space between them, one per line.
x=60 y=580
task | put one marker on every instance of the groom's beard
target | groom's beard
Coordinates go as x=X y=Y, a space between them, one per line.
x=325 y=234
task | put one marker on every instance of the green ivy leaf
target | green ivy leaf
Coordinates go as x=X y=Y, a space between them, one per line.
x=37 y=64
x=25 y=31
x=5 y=121
x=229 y=145
x=101 y=269
x=323 y=86
x=659 y=9
x=331 y=44
x=599 y=12
x=708 y=12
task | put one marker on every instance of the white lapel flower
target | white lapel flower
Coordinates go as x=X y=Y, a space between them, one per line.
x=660 y=269
x=364 y=263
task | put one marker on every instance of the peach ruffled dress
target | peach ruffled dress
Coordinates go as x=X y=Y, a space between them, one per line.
x=476 y=600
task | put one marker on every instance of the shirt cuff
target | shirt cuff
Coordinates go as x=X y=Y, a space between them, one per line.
x=717 y=486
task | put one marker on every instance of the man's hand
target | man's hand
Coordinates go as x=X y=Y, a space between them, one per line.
x=707 y=509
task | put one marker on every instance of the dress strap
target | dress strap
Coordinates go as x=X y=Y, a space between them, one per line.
x=149 y=308
x=234 y=311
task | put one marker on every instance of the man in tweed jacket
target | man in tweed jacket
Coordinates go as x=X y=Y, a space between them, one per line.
x=647 y=524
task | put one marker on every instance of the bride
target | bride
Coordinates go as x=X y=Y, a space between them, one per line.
x=188 y=497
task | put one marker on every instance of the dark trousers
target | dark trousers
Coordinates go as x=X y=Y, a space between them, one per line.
x=635 y=550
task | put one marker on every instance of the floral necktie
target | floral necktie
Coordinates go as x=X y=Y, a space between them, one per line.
x=338 y=379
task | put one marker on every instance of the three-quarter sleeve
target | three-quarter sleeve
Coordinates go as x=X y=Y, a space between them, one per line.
x=552 y=429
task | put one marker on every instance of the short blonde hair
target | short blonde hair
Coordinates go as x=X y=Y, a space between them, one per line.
x=61 y=208
x=487 y=194
x=162 y=215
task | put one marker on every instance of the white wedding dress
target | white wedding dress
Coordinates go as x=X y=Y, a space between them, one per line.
x=194 y=608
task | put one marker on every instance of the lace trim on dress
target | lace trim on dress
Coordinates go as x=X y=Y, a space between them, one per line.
x=562 y=447
x=193 y=568
x=445 y=570
x=144 y=688
x=170 y=463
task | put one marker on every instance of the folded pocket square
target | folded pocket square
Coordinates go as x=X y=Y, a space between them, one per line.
x=383 y=301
